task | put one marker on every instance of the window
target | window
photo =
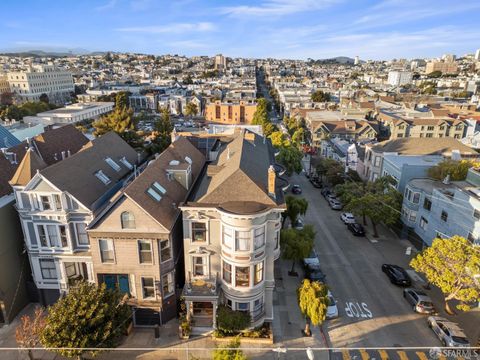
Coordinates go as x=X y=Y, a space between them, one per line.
x=277 y=239
x=227 y=237
x=258 y=273
x=128 y=220
x=165 y=251
x=148 y=287
x=82 y=233
x=113 y=164
x=429 y=135
x=168 y=285
x=42 y=235
x=444 y=215
x=199 y=266
x=413 y=216
x=259 y=237
x=47 y=267
x=126 y=163
x=416 y=198
x=427 y=204
x=58 y=202
x=423 y=223
x=242 y=276
x=377 y=161
x=115 y=281
x=476 y=214
x=430 y=128
x=243 y=306
x=63 y=236
x=145 y=252
x=199 y=232
x=53 y=236
x=45 y=200
x=227 y=272
x=106 y=250
x=242 y=240
x=154 y=194
x=102 y=177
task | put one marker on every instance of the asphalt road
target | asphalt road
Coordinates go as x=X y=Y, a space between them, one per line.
x=372 y=311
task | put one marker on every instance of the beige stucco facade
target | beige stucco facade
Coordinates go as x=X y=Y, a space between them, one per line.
x=230 y=113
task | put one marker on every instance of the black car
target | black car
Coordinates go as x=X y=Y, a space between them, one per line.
x=316 y=183
x=314 y=273
x=325 y=192
x=397 y=275
x=356 y=229
x=296 y=189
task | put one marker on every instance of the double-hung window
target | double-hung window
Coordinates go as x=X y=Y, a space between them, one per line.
x=82 y=233
x=259 y=237
x=63 y=236
x=145 y=252
x=148 y=287
x=42 y=235
x=227 y=272
x=199 y=265
x=58 y=202
x=228 y=237
x=106 y=250
x=242 y=240
x=168 y=284
x=48 y=269
x=199 y=232
x=242 y=276
x=53 y=236
x=45 y=200
x=258 y=273
x=165 y=251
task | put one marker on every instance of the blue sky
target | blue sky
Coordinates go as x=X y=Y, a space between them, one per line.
x=295 y=29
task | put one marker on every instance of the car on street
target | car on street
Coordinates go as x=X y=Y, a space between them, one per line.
x=296 y=189
x=298 y=225
x=311 y=259
x=420 y=301
x=313 y=272
x=335 y=204
x=397 y=275
x=356 y=229
x=332 y=310
x=449 y=333
x=347 y=218
x=315 y=182
x=330 y=196
x=325 y=192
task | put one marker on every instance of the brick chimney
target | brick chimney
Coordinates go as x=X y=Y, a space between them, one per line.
x=271 y=181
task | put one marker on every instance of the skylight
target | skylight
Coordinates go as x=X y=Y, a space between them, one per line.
x=113 y=164
x=159 y=187
x=188 y=160
x=156 y=196
x=156 y=191
x=102 y=177
x=125 y=162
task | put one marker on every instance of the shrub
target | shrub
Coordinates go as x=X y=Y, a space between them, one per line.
x=231 y=322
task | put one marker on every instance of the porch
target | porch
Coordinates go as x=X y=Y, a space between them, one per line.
x=73 y=271
x=201 y=300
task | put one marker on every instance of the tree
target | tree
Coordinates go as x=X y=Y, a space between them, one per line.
x=230 y=352
x=191 y=109
x=261 y=113
x=279 y=139
x=291 y=158
x=320 y=96
x=27 y=334
x=350 y=192
x=296 y=244
x=44 y=98
x=457 y=169
x=451 y=265
x=435 y=74
x=121 y=99
x=12 y=112
x=162 y=132
x=6 y=98
x=313 y=302
x=87 y=317
x=121 y=121
x=298 y=136
x=332 y=170
x=295 y=206
x=231 y=322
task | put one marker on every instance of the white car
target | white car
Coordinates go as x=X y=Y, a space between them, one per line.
x=449 y=333
x=332 y=310
x=348 y=218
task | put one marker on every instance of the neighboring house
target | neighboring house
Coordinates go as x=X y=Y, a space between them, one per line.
x=241 y=112
x=136 y=244
x=57 y=202
x=446 y=147
x=7 y=139
x=231 y=226
x=16 y=285
x=442 y=208
x=345 y=129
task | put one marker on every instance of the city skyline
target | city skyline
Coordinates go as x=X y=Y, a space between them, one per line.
x=271 y=28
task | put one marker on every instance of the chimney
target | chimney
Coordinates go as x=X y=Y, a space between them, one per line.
x=69 y=153
x=271 y=181
x=63 y=155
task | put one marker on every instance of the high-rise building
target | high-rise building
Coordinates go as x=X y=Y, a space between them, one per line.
x=220 y=62
x=398 y=78
x=29 y=85
x=356 y=61
x=477 y=55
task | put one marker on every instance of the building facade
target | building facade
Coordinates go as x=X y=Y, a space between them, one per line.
x=230 y=113
x=446 y=67
x=399 y=78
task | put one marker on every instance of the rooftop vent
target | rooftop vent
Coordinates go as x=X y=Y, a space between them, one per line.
x=174 y=162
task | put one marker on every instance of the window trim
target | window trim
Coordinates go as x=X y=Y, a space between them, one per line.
x=172 y=274
x=232 y=267
x=205 y=265
x=75 y=225
x=207 y=232
x=113 y=251
x=154 y=297
x=40 y=260
x=139 y=251
x=125 y=222
x=255 y=271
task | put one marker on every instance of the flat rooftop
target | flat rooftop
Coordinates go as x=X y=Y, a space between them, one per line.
x=75 y=108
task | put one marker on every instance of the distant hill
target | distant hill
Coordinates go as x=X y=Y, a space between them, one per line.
x=46 y=53
x=335 y=60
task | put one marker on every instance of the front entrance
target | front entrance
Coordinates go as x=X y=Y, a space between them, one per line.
x=202 y=312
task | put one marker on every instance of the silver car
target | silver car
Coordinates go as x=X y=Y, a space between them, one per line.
x=335 y=204
x=420 y=301
x=449 y=333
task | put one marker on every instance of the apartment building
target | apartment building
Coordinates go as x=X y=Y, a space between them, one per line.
x=399 y=78
x=446 y=67
x=442 y=209
x=4 y=84
x=56 y=203
x=29 y=85
x=136 y=243
x=231 y=226
x=220 y=62
x=230 y=113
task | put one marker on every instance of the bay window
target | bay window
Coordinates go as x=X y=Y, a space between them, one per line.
x=227 y=237
x=242 y=276
x=259 y=237
x=258 y=273
x=227 y=272
x=242 y=240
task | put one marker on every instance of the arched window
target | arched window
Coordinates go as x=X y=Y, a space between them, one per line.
x=128 y=220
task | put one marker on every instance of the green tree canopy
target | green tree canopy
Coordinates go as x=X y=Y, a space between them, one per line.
x=313 y=302
x=457 y=169
x=121 y=121
x=231 y=322
x=44 y=98
x=320 y=96
x=191 y=109
x=332 y=170
x=279 y=139
x=87 y=317
x=230 y=352
x=163 y=131
x=297 y=244
x=295 y=206
x=451 y=265
x=261 y=113
x=291 y=158
x=121 y=99
x=298 y=136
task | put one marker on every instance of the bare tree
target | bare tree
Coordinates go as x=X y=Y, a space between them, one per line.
x=28 y=332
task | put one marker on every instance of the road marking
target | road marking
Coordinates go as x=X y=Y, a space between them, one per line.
x=346 y=355
x=364 y=354
x=383 y=354
x=421 y=355
x=357 y=310
x=373 y=241
x=402 y=355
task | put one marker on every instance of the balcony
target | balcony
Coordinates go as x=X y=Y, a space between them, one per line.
x=206 y=287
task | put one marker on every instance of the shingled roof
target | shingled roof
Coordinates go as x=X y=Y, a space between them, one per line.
x=29 y=166
x=424 y=146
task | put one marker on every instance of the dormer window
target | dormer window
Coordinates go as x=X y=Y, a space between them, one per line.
x=113 y=164
x=102 y=177
x=126 y=163
x=128 y=220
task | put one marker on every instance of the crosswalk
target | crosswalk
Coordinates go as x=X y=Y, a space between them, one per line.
x=368 y=354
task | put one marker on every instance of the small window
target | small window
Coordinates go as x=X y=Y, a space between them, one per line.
x=199 y=232
x=416 y=198
x=45 y=200
x=113 y=164
x=42 y=235
x=199 y=266
x=165 y=251
x=156 y=196
x=48 y=269
x=63 y=236
x=106 y=250
x=227 y=272
x=145 y=252
x=102 y=177
x=444 y=216
x=82 y=234
x=243 y=306
x=476 y=214
x=126 y=163
x=148 y=287
x=427 y=204
x=259 y=237
x=242 y=240
x=277 y=239
x=258 y=273
x=242 y=276
x=423 y=223
x=159 y=188
x=168 y=284
x=128 y=220
x=58 y=202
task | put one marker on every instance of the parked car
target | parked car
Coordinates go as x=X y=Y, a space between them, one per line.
x=449 y=333
x=298 y=224
x=325 y=192
x=296 y=189
x=330 y=196
x=316 y=182
x=420 y=301
x=332 y=310
x=397 y=275
x=347 y=218
x=356 y=229
x=313 y=272
x=311 y=259
x=335 y=204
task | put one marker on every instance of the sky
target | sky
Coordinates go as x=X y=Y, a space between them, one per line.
x=287 y=29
